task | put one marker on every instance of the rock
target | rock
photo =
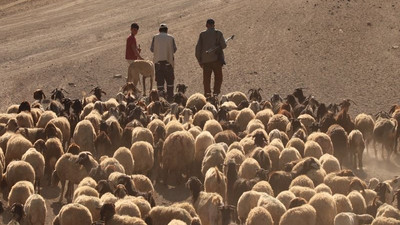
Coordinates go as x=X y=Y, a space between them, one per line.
x=118 y=76
x=395 y=46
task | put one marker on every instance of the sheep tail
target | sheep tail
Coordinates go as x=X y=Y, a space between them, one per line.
x=55 y=178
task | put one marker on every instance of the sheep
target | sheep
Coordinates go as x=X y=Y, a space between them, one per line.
x=389 y=211
x=277 y=143
x=323 y=140
x=349 y=218
x=67 y=170
x=339 y=140
x=162 y=215
x=172 y=127
x=247 y=201
x=143 y=205
x=262 y=158
x=278 y=121
x=36 y=160
x=35 y=210
x=385 y=221
x=196 y=100
x=288 y=155
x=339 y=183
x=356 y=147
x=16 y=147
x=385 y=192
x=274 y=207
x=248 y=145
x=73 y=214
x=18 y=171
x=201 y=117
x=107 y=214
x=17 y=211
x=32 y=134
x=343 y=203
x=253 y=125
x=213 y=127
x=202 y=141
x=88 y=181
x=52 y=151
x=312 y=149
x=298 y=144
x=302 y=181
x=385 y=132
x=226 y=136
x=237 y=97
x=144 y=67
x=273 y=153
x=205 y=204
x=63 y=124
x=263 y=186
x=259 y=216
x=325 y=207
x=24 y=119
x=125 y=207
x=143 y=155
x=301 y=215
x=85 y=135
x=248 y=169
x=264 y=116
x=215 y=181
x=92 y=203
x=365 y=124
x=85 y=190
x=329 y=163
x=124 y=156
x=142 y=183
x=373 y=183
x=20 y=192
x=323 y=188
x=142 y=134
x=45 y=118
x=214 y=156
x=358 y=202
x=243 y=118
x=286 y=197
x=177 y=154
x=303 y=192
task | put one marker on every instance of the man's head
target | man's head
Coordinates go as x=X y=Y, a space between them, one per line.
x=210 y=23
x=163 y=28
x=134 y=28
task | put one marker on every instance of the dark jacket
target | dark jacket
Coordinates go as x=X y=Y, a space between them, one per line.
x=209 y=39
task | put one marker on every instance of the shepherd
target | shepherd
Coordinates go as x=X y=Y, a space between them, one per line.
x=210 y=55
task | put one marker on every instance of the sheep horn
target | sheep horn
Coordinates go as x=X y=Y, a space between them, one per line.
x=250 y=90
x=103 y=92
x=351 y=101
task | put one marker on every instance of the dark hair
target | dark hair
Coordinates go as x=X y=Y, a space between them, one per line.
x=210 y=21
x=163 y=29
x=135 y=25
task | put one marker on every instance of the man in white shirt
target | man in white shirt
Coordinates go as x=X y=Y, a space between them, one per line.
x=163 y=46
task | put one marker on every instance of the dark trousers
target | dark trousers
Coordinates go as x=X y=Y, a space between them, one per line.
x=165 y=74
x=208 y=68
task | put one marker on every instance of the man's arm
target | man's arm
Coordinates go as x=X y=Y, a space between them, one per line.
x=222 y=42
x=152 y=45
x=136 y=52
x=174 y=45
x=198 y=50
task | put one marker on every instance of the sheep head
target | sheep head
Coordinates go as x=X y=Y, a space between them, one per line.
x=24 y=106
x=381 y=190
x=195 y=186
x=103 y=186
x=97 y=91
x=107 y=211
x=298 y=93
x=120 y=191
x=227 y=211
x=181 y=88
x=154 y=96
x=255 y=95
x=58 y=94
x=40 y=145
x=39 y=94
x=17 y=209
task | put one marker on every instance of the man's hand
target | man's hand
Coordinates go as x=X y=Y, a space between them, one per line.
x=139 y=49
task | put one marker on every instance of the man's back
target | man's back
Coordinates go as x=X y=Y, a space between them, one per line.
x=209 y=39
x=163 y=46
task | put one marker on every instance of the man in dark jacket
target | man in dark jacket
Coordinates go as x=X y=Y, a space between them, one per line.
x=210 y=56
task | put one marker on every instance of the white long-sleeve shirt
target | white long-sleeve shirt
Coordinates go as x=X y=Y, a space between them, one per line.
x=163 y=46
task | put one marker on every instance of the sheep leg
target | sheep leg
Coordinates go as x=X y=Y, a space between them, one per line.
x=62 y=191
x=70 y=191
x=144 y=85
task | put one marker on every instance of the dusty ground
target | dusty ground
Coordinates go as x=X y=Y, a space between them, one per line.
x=335 y=49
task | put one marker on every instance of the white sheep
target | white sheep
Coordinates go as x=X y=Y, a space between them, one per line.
x=389 y=211
x=307 y=120
x=125 y=207
x=143 y=155
x=253 y=125
x=247 y=201
x=343 y=204
x=356 y=146
x=288 y=155
x=19 y=171
x=285 y=197
x=195 y=131
x=301 y=215
x=162 y=215
x=264 y=116
x=248 y=145
x=312 y=149
x=213 y=127
x=329 y=163
x=385 y=221
x=365 y=124
x=215 y=181
x=323 y=188
x=236 y=155
x=236 y=96
x=20 y=192
x=143 y=205
x=142 y=134
x=259 y=216
x=303 y=192
x=88 y=181
x=73 y=214
x=274 y=207
x=214 y=156
x=325 y=206
x=243 y=118
x=92 y=203
x=124 y=156
x=142 y=183
x=36 y=160
x=16 y=147
x=203 y=140
x=263 y=186
x=85 y=190
x=25 y=119
x=177 y=154
x=338 y=184
x=302 y=181
x=349 y=218
x=248 y=169
x=63 y=124
x=196 y=100
x=85 y=135
x=45 y=118
x=323 y=140
x=298 y=144
x=110 y=165
x=277 y=121
x=35 y=210
x=277 y=143
x=201 y=117
x=273 y=153
x=358 y=202
x=172 y=127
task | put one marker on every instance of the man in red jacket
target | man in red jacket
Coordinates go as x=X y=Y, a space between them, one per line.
x=132 y=52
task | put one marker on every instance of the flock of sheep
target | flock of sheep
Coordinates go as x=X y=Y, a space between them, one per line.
x=244 y=160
